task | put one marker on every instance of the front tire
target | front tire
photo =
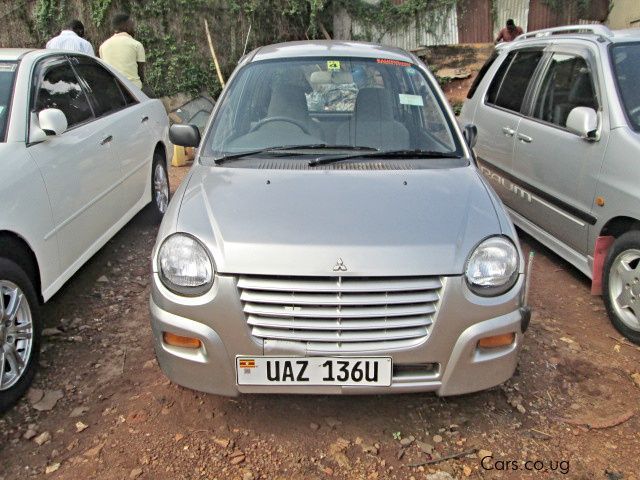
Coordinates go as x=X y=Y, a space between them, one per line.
x=622 y=285
x=20 y=328
x=160 y=192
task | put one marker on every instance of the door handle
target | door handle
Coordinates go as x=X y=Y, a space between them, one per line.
x=144 y=119
x=509 y=132
x=525 y=138
x=106 y=140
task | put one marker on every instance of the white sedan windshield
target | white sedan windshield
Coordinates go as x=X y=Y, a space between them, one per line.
x=380 y=104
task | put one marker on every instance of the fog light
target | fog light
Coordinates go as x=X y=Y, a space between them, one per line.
x=180 y=341
x=496 y=341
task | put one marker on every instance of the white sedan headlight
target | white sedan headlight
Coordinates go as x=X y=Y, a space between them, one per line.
x=184 y=265
x=492 y=268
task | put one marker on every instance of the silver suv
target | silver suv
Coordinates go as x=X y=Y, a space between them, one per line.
x=558 y=118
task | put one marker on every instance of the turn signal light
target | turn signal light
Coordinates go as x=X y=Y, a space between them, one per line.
x=496 y=341
x=180 y=341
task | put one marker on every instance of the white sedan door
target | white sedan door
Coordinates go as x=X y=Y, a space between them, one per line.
x=132 y=143
x=79 y=170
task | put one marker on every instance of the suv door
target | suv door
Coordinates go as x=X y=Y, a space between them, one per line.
x=79 y=171
x=558 y=168
x=498 y=117
x=132 y=144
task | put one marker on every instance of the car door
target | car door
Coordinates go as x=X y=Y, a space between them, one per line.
x=78 y=168
x=132 y=143
x=556 y=167
x=499 y=116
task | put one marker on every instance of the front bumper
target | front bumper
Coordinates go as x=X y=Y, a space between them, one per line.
x=448 y=362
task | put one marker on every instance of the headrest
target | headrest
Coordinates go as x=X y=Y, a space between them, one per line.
x=373 y=104
x=320 y=77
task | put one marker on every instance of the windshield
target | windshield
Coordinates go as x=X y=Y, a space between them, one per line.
x=626 y=65
x=340 y=104
x=7 y=72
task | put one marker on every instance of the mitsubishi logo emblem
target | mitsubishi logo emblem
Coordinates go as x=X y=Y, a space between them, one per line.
x=340 y=266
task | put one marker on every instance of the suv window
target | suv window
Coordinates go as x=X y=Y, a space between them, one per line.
x=481 y=74
x=567 y=84
x=104 y=89
x=60 y=88
x=508 y=88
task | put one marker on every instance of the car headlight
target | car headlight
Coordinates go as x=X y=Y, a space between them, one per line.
x=492 y=268
x=184 y=265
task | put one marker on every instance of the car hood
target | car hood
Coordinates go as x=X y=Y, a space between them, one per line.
x=377 y=223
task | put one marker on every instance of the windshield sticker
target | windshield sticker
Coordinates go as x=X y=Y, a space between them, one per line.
x=397 y=63
x=333 y=65
x=8 y=67
x=415 y=100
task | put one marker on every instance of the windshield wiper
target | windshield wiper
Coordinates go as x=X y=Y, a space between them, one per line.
x=282 y=148
x=384 y=154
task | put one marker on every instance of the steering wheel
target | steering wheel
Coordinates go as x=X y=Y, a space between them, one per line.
x=266 y=120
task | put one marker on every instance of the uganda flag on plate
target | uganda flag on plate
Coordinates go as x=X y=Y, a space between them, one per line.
x=247 y=363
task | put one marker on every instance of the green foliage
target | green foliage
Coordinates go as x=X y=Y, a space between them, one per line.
x=385 y=16
x=49 y=15
x=99 y=9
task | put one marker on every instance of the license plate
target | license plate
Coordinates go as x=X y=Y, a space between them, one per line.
x=367 y=371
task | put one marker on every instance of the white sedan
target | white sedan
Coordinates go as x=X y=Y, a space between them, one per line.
x=82 y=150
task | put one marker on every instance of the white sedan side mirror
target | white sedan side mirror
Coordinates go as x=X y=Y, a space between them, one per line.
x=583 y=121
x=52 y=121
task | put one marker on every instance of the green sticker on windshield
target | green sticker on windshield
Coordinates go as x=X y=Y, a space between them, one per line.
x=333 y=65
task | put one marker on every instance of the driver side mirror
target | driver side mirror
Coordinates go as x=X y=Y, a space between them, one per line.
x=583 y=121
x=470 y=134
x=52 y=121
x=184 y=135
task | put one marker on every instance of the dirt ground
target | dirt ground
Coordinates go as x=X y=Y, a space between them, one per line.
x=572 y=405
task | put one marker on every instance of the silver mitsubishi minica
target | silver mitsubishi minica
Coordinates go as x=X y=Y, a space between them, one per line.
x=334 y=235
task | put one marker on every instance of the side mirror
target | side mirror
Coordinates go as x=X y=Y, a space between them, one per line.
x=470 y=134
x=583 y=121
x=52 y=121
x=184 y=135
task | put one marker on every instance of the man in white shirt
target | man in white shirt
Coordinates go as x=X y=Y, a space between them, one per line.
x=72 y=39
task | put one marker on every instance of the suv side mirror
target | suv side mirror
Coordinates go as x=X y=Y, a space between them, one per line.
x=52 y=121
x=470 y=134
x=184 y=135
x=583 y=121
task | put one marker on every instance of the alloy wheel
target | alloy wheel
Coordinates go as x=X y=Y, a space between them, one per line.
x=624 y=287
x=16 y=334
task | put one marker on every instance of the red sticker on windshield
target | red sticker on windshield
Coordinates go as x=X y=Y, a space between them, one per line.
x=397 y=63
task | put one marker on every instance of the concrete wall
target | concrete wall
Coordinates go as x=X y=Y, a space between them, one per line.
x=624 y=14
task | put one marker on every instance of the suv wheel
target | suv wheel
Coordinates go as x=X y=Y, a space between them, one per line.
x=20 y=328
x=622 y=285
x=159 y=186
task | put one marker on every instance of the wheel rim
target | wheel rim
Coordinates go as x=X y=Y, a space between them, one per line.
x=624 y=288
x=16 y=334
x=161 y=188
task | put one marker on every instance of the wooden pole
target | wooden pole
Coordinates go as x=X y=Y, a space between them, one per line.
x=213 y=53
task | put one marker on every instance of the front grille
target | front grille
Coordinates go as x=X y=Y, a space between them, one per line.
x=341 y=313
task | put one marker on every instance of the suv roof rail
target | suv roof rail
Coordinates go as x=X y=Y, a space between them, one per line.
x=594 y=29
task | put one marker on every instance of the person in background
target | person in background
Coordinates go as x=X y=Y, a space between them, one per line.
x=71 y=38
x=510 y=32
x=122 y=51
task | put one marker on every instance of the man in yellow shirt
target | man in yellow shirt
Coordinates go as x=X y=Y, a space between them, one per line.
x=122 y=51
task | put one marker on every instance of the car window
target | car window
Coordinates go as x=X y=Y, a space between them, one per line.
x=626 y=66
x=104 y=91
x=60 y=88
x=509 y=86
x=376 y=103
x=481 y=74
x=7 y=74
x=567 y=84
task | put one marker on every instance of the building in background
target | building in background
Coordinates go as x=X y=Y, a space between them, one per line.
x=476 y=21
x=624 y=14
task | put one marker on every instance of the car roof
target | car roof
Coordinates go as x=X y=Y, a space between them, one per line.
x=331 y=48
x=13 y=54
x=589 y=33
